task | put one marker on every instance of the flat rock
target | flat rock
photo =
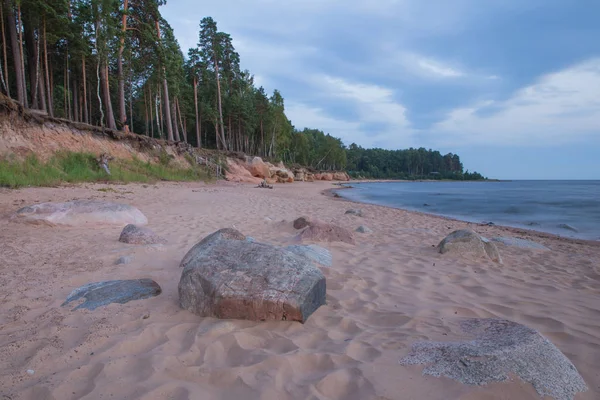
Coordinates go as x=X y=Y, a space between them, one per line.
x=99 y=294
x=81 y=212
x=500 y=348
x=124 y=260
x=355 y=211
x=226 y=276
x=133 y=234
x=323 y=232
x=314 y=253
x=363 y=229
x=522 y=243
x=466 y=241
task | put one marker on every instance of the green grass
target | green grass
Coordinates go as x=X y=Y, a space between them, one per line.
x=72 y=167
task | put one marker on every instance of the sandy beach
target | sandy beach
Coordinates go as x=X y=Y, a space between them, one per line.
x=389 y=290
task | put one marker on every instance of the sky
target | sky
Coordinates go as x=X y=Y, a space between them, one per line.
x=512 y=86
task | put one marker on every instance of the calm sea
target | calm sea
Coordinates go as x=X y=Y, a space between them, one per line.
x=566 y=208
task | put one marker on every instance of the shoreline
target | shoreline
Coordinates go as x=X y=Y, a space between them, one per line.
x=515 y=230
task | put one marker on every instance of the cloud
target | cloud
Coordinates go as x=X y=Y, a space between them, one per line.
x=561 y=107
x=439 y=69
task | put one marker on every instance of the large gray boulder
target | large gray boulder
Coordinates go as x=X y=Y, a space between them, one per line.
x=226 y=276
x=133 y=234
x=99 y=294
x=494 y=350
x=466 y=241
x=314 y=253
x=81 y=212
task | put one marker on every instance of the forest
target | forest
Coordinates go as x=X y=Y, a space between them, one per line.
x=117 y=64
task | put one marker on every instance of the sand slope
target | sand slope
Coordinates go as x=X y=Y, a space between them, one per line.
x=392 y=288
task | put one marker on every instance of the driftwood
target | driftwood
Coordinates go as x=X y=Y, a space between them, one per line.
x=264 y=185
x=103 y=162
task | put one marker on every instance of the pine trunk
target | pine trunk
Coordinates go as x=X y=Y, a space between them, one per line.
x=220 y=107
x=33 y=65
x=14 y=45
x=6 y=80
x=75 y=101
x=198 y=142
x=23 y=82
x=50 y=104
x=109 y=115
x=183 y=130
x=122 y=111
x=174 y=121
x=86 y=118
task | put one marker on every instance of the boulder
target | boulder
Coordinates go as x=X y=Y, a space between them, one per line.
x=237 y=172
x=318 y=231
x=466 y=241
x=327 y=176
x=133 y=234
x=258 y=168
x=363 y=229
x=522 y=243
x=81 y=212
x=301 y=222
x=225 y=276
x=314 y=253
x=299 y=175
x=354 y=211
x=102 y=293
x=494 y=350
x=309 y=177
x=341 y=176
x=318 y=177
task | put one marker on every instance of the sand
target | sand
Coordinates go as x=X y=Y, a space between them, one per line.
x=386 y=292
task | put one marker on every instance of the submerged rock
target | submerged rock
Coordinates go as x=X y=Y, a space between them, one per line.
x=81 y=212
x=102 y=293
x=568 y=227
x=133 y=234
x=226 y=276
x=500 y=348
x=314 y=253
x=522 y=243
x=466 y=241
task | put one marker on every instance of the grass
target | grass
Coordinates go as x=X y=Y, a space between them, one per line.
x=73 y=167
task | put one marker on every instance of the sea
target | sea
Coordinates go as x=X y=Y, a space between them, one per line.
x=565 y=208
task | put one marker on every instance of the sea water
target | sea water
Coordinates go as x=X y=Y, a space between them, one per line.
x=566 y=208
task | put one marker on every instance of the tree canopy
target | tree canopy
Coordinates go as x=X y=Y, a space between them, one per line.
x=117 y=64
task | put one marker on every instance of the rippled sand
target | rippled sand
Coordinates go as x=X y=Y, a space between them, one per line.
x=389 y=290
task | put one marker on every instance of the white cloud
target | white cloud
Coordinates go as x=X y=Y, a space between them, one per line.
x=559 y=108
x=439 y=69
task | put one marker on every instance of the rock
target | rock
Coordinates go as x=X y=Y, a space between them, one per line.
x=81 y=212
x=568 y=227
x=309 y=177
x=237 y=171
x=258 y=168
x=314 y=253
x=124 y=260
x=133 y=234
x=465 y=241
x=363 y=229
x=318 y=177
x=500 y=348
x=522 y=243
x=102 y=293
x=355 y=211
x=327 y=176
x=341 y=176
x=300 y=175
x=30 y=372
x=302 y=222
x=318 y=231
x=225 y=276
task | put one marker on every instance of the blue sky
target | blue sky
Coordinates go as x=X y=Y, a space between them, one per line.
x=512 y=86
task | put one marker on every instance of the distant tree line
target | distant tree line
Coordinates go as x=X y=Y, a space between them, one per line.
x=405 y=164
x=117 y=64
